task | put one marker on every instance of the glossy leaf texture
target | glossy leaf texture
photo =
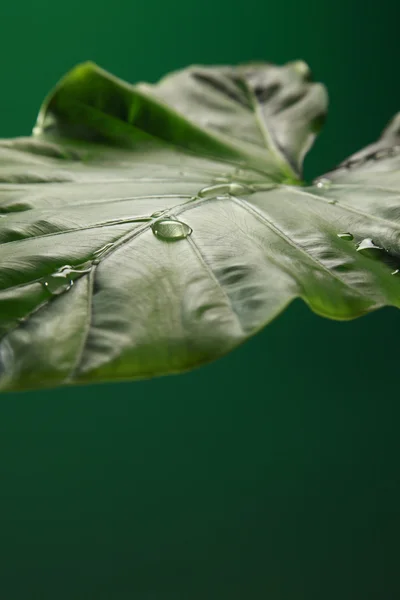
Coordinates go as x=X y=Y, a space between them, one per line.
x=148 y=229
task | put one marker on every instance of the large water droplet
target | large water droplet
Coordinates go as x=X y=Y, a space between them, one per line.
x=345 y=236
x=62 y=279
x=55 y=284
x=224 y=188
x=324 y=183
x=171 y=230
x=367 y=245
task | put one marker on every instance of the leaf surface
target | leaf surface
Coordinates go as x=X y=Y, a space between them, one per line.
x=145 y=230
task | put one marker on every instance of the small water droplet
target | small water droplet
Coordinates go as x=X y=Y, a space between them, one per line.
x=332 y=201
x=345 y=236
x=395 y=272
x=157 y=214
x=224 y=188
x=302 y=68
x=366 y=245
x=101 y=252
x=324 y=183
x=171 y=230
x=62 y=279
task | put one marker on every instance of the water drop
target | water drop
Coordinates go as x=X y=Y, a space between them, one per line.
x=57 y=283
x=302 y=68
x=171 y=230
x=126 y=220
x=239 y=189
x=224 y=188
x=366 y=245
x=99 y=254
x=324 y=183
x=157 y=214
x=373 y=251
x=62 y=279
x=345 y=236
x=332 y=201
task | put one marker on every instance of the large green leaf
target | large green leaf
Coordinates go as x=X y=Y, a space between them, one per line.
x=149 y=229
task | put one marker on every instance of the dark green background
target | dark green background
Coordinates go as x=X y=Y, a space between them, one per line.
x=270 y=474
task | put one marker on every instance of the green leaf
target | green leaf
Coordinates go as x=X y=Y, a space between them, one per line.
x=145 y=230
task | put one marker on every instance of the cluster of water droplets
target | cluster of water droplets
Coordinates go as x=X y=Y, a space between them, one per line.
x=63 y=279
x=164 y=226
x=171 y=229
x=369 y=248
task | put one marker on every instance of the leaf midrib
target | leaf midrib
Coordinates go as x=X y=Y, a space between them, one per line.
x=269 y=141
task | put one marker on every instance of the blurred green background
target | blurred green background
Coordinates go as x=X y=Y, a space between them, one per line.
x=270 y=474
